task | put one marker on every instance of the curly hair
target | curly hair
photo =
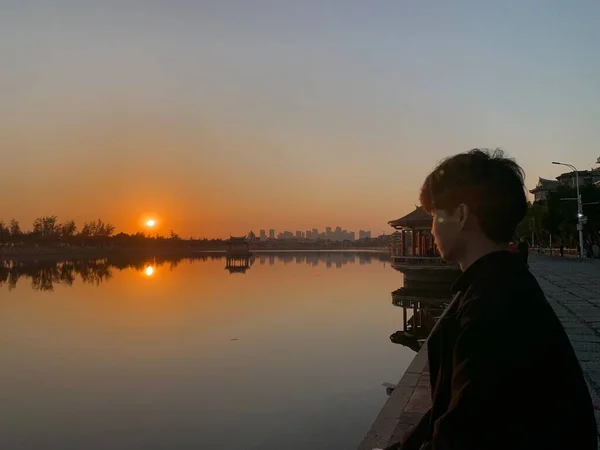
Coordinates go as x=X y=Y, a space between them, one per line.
x=490 y=184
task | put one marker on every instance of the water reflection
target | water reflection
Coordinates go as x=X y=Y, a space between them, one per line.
x=423 y=313
x=44 y=275
x=161 y=358
x=330 y=259
x=238 y=264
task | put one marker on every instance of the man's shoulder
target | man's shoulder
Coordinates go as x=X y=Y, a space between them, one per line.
x=503 y=295
x=515 y=281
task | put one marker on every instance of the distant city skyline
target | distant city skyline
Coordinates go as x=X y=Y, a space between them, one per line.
x=150 y=227
x=337 y=234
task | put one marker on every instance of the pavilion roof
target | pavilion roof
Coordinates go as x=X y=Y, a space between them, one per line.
x=237 y=240
x=545 y=185
x=417 y=218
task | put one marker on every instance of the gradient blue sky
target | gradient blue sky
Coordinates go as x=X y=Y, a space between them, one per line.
x=225 y=116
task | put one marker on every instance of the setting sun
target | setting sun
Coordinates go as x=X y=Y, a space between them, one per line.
x=151 y=223
x=149 y=271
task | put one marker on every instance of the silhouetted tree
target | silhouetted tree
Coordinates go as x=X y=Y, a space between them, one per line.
x=67 y=229
x=14 y=228
x=97 y=229
x=4 y=232
x=48 y=231
x=45 y=226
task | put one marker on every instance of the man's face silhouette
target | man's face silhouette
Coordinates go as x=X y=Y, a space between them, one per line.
x=446 y=231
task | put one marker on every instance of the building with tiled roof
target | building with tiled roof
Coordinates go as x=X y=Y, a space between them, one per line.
x=540 y=192
x=238 y=245
x=568 y=179
x=585 y=177
x=418 y=224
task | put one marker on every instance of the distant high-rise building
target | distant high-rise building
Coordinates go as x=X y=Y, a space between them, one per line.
x=299 y=234
x=328 y=231
x=271 y=233
x=339 y=234
x=263 y=235
x=362 y=234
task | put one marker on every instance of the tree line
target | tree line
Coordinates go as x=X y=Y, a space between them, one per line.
x=49 y=230
x=555 y=218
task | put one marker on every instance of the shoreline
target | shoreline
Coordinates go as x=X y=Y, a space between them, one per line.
x=37 y=254
x=405 y=406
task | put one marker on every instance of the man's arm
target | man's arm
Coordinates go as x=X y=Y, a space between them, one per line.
x=481 y=366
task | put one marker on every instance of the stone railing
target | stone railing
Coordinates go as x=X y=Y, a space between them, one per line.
x=404 y=297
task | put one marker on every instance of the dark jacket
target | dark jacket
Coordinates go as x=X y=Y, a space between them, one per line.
x=523 y=247
x=503 y=372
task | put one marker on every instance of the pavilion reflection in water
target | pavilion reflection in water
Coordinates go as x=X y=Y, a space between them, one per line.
x=423 y=312
x=238 y=258
x=238 y=264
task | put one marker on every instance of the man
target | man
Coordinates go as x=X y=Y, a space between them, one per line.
x=523 y=249
x=504 y=375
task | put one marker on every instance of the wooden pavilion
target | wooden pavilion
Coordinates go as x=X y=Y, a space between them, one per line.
x=238 y=258
x=414 y=253
x=418 y=224
x=238 y=246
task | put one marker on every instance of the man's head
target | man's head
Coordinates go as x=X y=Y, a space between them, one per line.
x=477 y=199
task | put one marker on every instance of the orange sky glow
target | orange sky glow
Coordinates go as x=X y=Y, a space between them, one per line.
x=220 y=120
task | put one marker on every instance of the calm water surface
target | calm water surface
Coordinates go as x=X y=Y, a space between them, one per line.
x=182 y=354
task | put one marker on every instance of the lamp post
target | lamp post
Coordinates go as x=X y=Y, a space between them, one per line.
x=579 y=206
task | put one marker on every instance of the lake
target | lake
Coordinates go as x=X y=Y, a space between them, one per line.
x=182 y=354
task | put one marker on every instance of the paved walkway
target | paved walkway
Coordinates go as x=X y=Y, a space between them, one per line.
x=573 y=289
x=404 y=408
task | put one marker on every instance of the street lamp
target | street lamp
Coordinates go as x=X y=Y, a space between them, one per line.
x=579 y=206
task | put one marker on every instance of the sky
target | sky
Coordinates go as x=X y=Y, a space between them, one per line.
x=221 y=117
